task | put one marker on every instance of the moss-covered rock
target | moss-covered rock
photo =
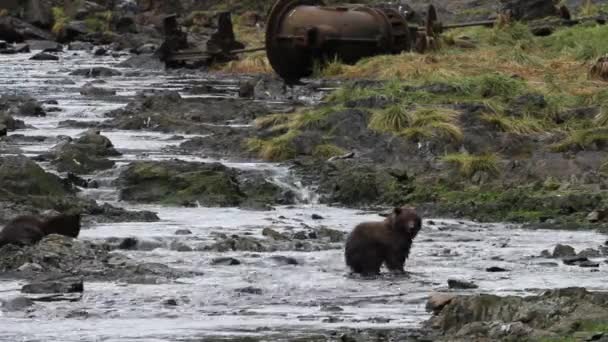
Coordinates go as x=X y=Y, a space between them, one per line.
x=556 y=313
x=85 y=155
x=22 y=176
x=186 y=183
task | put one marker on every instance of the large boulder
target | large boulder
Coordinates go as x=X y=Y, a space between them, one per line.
x=16 y=30
x=38 y=13
x=186 y=183
x=84 y=155
x=556 y=313
x=21 y=105
x=20 y=175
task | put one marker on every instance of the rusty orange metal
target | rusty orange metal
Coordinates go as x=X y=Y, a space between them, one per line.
x=302 y=32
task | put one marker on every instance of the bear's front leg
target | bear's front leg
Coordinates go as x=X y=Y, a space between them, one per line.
x=395 y=262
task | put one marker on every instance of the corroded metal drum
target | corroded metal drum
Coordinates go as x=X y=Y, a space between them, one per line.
x=300 y=33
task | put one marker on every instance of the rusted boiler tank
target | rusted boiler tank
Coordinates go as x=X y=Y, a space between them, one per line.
x=300 y=32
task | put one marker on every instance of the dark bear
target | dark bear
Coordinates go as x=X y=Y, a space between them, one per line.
x=371 y=244
x=28 y=230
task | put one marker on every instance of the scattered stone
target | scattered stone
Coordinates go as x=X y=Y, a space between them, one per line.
x=331 y=308
x=225 y=261
x=589 y=253
x=96 y=72
x=183 y=232
x=100 y=52
x=179 y=247
x=3 y=130
x=496 y=269
x=548 y=264
x=170 y=302
x=574 y=260
x=250 y=290
x=63 y=286
x=546 y=254
x=333 y=234
x=80 y=46
x=90 y=90
x=588 y=264
x=563 y=251
x=43 y=56
x=461 y=284
x=273 y=234
x=317 y=217
x=16 y=303
x=302 y=235
x=280 y=260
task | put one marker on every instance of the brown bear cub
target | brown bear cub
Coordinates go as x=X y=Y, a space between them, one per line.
x=28 y=230
x=371 y=244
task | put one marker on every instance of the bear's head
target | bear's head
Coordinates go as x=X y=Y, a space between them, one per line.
x=405 y=220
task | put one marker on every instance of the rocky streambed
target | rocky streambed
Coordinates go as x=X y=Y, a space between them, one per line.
x=188 y=237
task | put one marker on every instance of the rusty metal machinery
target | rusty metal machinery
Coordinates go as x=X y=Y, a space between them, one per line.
x=300 y=32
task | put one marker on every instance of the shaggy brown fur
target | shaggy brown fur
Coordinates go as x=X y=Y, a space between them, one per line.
x=28 y=230
x=371 y=244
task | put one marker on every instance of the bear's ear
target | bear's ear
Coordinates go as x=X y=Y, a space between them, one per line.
x=397 y=211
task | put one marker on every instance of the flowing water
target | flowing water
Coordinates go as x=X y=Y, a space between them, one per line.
x=291 y=300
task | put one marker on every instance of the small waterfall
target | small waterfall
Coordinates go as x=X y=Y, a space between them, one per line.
x=286 y=180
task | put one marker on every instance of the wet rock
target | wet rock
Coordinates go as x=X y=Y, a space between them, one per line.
x=10 y=123
x=107 y=213
x=84 y=155
x=225 y=261
x=44 y=45
x=90 y=90
x=96 y=72
x=589 y=253
x=461 y=284
x=183 y=232
x=437 y=301
x=250 y=290
x=43 y=56
x=246 y=89
x=496 y=269
x=128 y=244
x=563 y=251
x=280 y=260
x=485 y=316
x=273 y=234
x=3 y=130
x=16 y=30
x=61 y=286
x=189 y=183
x=332 y=234
x=588 y=264
x=80 y=46
x=179 y=247
x=331 y=308
x=22 y=48
x=170 y=302
x=238 y=243
x=21 y=176
x=317 y=217
x=574 y=260
x=19 y=303
x=302 y=235
x=100 y=52
x=150 y=62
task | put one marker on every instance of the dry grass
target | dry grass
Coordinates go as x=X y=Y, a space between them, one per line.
x=254 y=63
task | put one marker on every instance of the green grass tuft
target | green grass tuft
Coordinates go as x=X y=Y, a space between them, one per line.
x=468 y=164
x=582 y=139
x=60 y=20
x=327 y=151
x=276 y=149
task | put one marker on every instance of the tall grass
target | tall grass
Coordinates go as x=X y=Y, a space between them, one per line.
x=468 y=164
